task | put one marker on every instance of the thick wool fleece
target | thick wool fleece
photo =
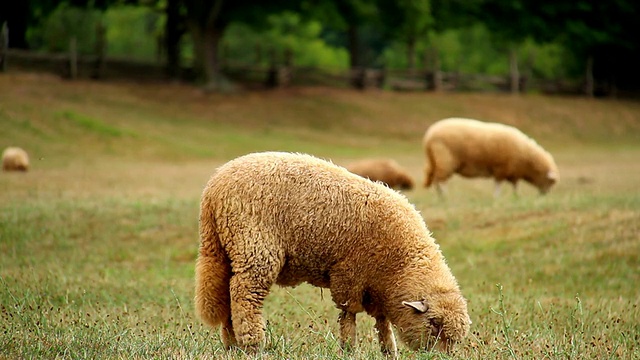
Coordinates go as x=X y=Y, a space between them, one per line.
x=473 y=148
x=15 y=159
x=387 y=171
x=281 y=218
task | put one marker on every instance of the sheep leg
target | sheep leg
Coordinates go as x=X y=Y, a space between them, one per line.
x=347 y=322
x=386 y=338
x=248 y=291
x=496 y=192
x=515 y=188
x=428 y=176
x=227 y=334
x=347 y=297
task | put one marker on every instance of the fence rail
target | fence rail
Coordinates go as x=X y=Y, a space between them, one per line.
x=71 y=65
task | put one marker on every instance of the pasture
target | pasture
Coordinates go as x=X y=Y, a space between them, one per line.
x=98 y=240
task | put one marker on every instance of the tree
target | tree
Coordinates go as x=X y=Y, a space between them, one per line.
x=510 y=22
x=408 y=21
x=22 y=14
x=207 y=21
x=347 y=16
x=17 y=16
x=174 y=29
x=603 y=33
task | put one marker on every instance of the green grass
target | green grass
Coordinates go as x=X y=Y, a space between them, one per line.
x=98 y=240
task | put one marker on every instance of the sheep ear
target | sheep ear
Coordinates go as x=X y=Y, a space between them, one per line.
x=420 y=306
x=551 y=175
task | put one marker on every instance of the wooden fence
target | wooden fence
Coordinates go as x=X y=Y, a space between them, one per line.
x=72 y=65
x=98 y=66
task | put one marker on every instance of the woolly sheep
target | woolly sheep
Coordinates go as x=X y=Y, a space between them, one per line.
x=474 y=148
x=387 y=171
x=286 y=218
x=15 y=159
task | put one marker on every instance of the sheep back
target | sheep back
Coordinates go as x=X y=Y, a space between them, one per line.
x=387 y=171
x=474 y=148
x=15 y=159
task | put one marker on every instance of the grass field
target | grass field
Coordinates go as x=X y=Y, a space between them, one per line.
x=98 y=241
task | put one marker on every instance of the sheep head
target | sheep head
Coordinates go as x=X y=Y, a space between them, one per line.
x=404 y=182
x=542 y=171
x=435 y=323
x=545 y=180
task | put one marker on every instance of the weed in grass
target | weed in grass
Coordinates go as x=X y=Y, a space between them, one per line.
x=505 y=329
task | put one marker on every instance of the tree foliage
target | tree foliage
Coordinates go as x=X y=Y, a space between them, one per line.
x=66 y=22
x=133 y=31
x=470 y=34
x=287 y=33
x=208 y=20
x=604 y=31
x=407 y=21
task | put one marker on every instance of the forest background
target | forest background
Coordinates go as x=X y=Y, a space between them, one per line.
x=588 y=42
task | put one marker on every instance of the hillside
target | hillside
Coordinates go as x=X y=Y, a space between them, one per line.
x=98 y=240
x=65 y=120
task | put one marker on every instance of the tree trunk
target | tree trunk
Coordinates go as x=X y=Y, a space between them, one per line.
x=198 y=50
x=4 y=46
x=73 y=58
x=173 y=33
x=589 y=80
x=354 y=54
x=207 y=27
x=100 y=51
x=16 y=14
x=214 y=79
x=437 y=71
x=207 y=62
x=411 y=56
x=514 y=74
x=357 y=73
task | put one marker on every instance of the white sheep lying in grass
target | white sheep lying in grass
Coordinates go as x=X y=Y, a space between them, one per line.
x=280 y=218
x=15 y=159
x=473 y=148
x=387 y=171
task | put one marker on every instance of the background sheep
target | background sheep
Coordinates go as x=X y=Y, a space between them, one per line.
x=387 y=171
x=15 y=159
x=285 y=218
x=473 y=148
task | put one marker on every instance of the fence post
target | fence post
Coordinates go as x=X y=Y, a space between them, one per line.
x=362 y=78
x=589 y=79
x=4 y=46
x=73 y=58
x=357 y=77
x=434 y=74
x=279 y=75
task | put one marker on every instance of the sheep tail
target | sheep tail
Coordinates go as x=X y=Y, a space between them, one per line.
x=213 y=271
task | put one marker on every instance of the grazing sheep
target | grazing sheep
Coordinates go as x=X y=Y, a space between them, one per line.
x=473 y=148
x=387 y=171
x=286 y=218
x=15 y=159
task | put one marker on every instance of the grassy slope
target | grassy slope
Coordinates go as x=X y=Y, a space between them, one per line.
x=98 y=241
